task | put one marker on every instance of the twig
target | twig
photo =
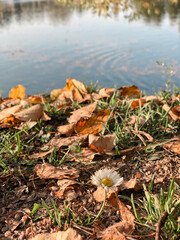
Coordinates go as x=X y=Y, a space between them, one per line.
x=82 y=229
x=139 y=236
x=159 y=224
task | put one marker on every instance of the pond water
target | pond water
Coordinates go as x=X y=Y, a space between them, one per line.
x=117 y=42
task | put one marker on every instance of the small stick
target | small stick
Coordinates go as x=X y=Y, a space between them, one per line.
x=140 y=236
x=160 y=224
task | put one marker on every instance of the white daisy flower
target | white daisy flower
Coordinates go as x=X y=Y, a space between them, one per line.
x=106 y=178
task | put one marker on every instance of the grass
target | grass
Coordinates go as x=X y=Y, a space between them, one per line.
x=17 y=146
x=152 y=207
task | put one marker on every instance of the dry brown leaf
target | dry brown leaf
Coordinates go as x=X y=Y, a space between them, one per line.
x=106 y=92
x=136 y=120
x=9 y=111
x=47 y=171
x=45 y=117
x=66 y=129
x=37 y=99
x=125 y=213
x=84 y=112
x=115 y=232
x=86 y=98
x=173 y=146
x=74 y=84
x=100 y=193
x=17 y=92
x=154 y=99
x=102 y=142
x=66 y=188
x=174 y=112
x=33 y=113
x=94 y=124
x=129 y=92
x=65 y=97
x=87 y=155
x=55 y=93
x=59 y=141
x=69 y=234
x=136 y=103
x=9 y=102
x=77 y=95
x=131 y=184
x=41 y=154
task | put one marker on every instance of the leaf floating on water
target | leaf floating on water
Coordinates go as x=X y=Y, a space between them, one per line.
x=17 y=92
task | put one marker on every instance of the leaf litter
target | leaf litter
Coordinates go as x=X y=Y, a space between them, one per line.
x=78 y=140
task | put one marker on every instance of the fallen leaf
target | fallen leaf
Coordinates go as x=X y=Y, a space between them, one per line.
x=125 y=213
x=59 y=141
x=66 y=129
x=106 y=92
x=17 y=92
x=48 y=171
x=131 y=184
x=9 y=111
x=65 y=97
x=173 y=146
x=116 y=231
x=9 y=102
x=55 y=93
x=86 y=155
x=137 y=103
x=129 y=92
x=173 y=112
x=37 y=99
x=66 y=189
x=84 y=112
x=69 y=234
x=12 y=120
x=100 y=193
x=41 y=154
x=136 y=120
x=45 y=117
x=94 y=124
x=33 y=113
x=102 y=142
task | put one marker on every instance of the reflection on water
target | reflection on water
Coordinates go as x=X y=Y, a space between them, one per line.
x=114 y=41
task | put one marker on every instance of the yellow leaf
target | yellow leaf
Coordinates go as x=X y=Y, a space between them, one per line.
x=17 y=92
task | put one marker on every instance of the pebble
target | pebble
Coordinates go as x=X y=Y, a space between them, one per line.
x=17 y=216
x=4 y=229
x=28 y=230
x=7 y=234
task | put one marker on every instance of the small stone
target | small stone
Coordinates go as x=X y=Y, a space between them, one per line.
x=17 y=216
x=28 y=230
x=7 y=234
x=4 y=229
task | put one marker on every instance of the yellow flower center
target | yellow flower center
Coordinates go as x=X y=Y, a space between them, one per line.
x=108 y=182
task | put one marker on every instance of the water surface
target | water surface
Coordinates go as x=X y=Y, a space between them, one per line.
x=42 y=43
